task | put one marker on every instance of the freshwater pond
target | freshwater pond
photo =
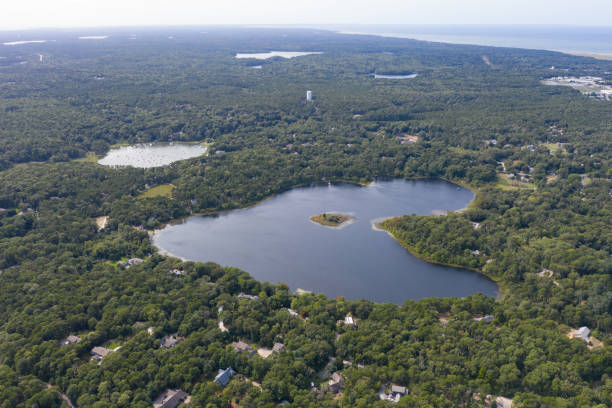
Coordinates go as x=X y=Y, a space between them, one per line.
x=382 y=76
x=149 y=155
x=282 y=54
x=275 y=241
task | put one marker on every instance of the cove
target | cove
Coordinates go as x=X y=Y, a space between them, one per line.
x=275 y=241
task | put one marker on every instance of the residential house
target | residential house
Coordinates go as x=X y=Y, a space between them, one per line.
x=242 y=347
x=245 y=296
x=582 y=333
x=349 y=320
x=224 y=376
x=171 y=340
x=503 y=402
x=278 y=347
x=170 y=399
x=98 y=353
x=336 y=383
x=292 y=312
x=130 y=262
x=485 y=318
x=72 y=339
x=397 y=392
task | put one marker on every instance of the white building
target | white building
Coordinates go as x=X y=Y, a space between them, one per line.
x=309 y=95
x=349 y=320
x=582 y=333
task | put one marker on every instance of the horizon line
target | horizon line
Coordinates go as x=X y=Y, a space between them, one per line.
x=296 y=25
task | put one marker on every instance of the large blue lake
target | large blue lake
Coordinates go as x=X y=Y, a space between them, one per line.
x=275 y=241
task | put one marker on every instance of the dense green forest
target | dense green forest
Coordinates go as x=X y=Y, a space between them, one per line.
x=537 y=156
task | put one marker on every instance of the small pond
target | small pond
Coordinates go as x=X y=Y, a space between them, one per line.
x=282 y=54
x=408 y=76
x=276 y=241
x=151 y=154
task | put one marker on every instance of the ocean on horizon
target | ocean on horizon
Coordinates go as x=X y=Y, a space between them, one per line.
x=579 y=39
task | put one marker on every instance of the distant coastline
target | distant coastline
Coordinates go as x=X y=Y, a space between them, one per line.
x=593 y=42
x=605 y=57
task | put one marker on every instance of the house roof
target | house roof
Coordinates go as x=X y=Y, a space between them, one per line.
x=101 y=351
x=224 y=376
x=398 y=389
x=241 y=346
x=170 y=340
x=72 y=339
x=278 y=347
x=337 y=378
x=170 y=399
x=583 y=332
x=245 y=296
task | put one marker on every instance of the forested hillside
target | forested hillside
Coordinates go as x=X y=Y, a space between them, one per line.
x=538 y=158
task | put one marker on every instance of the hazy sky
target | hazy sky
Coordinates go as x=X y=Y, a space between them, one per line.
x=15 y=14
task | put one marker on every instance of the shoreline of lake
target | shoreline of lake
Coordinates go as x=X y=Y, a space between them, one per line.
x=151 y=155
x=218 y=219
x=379 y=227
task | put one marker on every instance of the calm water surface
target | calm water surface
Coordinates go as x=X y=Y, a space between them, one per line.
x=275 y=241
x=382 y=76
x=151 y=155
x=591 y=39
x=282 y=54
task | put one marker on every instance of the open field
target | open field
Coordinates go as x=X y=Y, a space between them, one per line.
x=163 y=190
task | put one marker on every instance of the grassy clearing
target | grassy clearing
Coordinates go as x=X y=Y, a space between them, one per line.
x=553 y=148
x=90 y=158
x=504 y=183
x=112 y=344
x=163 y=190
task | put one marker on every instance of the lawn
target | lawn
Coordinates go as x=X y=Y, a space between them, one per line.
x=504 y=183
x=163 y=190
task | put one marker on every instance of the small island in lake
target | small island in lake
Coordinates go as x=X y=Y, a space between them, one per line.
x=332 y=219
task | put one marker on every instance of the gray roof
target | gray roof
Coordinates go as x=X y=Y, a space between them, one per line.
x=583 y=332
x=336 y=382
x=485 y=318
x=245 y=296
x=170 y=399
x=101 y=351
x=241 y=346
x=170 y=340
x=72 y=339
x=398 y=389
x=337 y=378
x=278 y=347
x=224 y=376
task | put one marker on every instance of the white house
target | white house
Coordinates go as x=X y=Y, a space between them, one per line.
x=582 y=333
